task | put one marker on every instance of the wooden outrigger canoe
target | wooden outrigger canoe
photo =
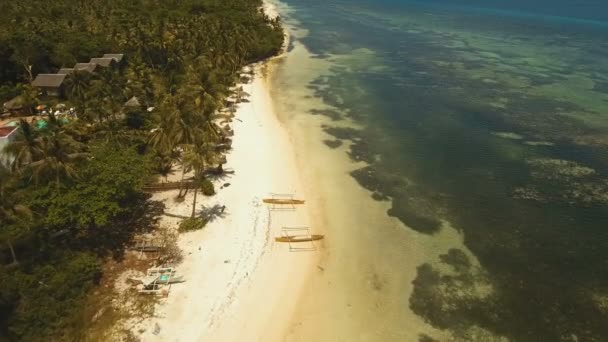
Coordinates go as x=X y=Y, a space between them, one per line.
x=301 y=238
x=282 y=201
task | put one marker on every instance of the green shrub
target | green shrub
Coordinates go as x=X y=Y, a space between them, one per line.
x=47 y=300
x=192 y=224
x=207 y=188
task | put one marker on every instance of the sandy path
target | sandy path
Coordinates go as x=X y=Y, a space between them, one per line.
x=241 y=285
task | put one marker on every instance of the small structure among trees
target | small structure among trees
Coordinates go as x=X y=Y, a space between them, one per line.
x=65 y=71
x=13 y=105
x=53 y=84
x=118 y=57
x=90 y=67
x=133 y=103
x=49 y=84
x=104 y=62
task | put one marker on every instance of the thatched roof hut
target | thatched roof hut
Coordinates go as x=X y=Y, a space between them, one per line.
x=133 y=102
x=14 y=104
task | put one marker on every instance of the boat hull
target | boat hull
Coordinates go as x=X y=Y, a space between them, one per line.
x=298 y=238
x=282 y=201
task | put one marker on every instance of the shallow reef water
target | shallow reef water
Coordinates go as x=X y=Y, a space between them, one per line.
x=494 y=122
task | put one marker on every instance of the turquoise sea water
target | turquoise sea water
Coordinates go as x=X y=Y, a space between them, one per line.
x=493 y=117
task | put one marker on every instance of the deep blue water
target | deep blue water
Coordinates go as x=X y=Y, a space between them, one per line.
x=493 y=116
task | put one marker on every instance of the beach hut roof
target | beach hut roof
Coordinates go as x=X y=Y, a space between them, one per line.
x=116 y=56
x=48 y=80
x=65 y=71
x=104 y=62
x=90 y=67
x=133 y=102
x=14 y=103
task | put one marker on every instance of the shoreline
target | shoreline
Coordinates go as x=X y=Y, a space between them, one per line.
x=239 y=281
x=354 y=292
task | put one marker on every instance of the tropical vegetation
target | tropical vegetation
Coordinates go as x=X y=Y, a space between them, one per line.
x=73 y=193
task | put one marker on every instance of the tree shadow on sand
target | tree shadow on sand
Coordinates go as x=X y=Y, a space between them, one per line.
x=223 y=175
x=211 y=213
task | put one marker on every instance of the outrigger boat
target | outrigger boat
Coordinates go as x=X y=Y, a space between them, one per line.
x=282 y=201
x=160 y=280
x=145 y=247
x=298 y=238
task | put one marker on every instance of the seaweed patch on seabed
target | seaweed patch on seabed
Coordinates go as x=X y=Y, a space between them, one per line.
x=456 y=295
x=426 y=338
x=334 y=115
x=537 y=117
x=563 y=181
x=333 y=143
x=368 y=178
x=414 y=211
x=342 y=133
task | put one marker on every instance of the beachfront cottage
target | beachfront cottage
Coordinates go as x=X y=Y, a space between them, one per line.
x=7 y=134
x=49 y=84
x=90 y=67
x=104 y=62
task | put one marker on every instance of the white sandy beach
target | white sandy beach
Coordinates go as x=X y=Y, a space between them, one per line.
x=241 y=284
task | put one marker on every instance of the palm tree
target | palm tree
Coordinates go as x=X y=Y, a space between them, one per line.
x=77 y=84
x=196 y=157
x=29 y=98
x=26 y=148
x=179 y=128
x=59 y=153
x=53 y=122
x=161 y=137
x=13 y=215
x=195 y=161
x=185 y=133
x=113 y=131
x=163 y=164
x=112 y=91
x=205 y=93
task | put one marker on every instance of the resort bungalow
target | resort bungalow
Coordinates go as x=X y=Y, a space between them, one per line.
x=118 y=57
x=104 y=62
x=90 y=67
x=49 y=84
x=65 y=71
x=7 y=134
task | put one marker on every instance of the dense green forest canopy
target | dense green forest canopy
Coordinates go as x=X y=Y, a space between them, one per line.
x=72 y=194
x=47 y=35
